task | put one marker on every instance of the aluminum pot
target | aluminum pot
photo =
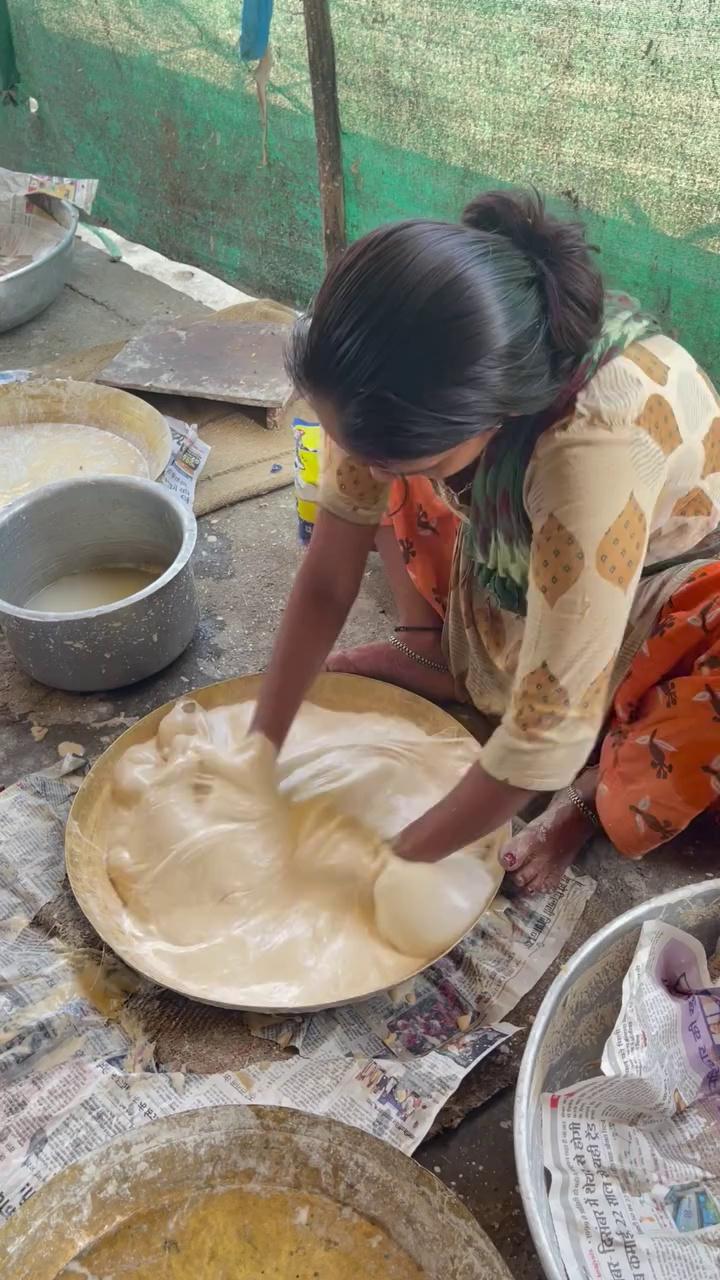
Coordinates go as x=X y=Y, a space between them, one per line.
x=569 y=1033
x=76 y=525
x=29 y=290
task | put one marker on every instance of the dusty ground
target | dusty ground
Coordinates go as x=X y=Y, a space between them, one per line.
x=245 y=563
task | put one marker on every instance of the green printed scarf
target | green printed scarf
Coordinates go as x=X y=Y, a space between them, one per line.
x=498 y=533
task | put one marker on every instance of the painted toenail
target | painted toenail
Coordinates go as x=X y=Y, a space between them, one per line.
x=509 y=860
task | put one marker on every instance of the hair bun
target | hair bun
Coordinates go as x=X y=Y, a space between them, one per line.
x=558 y=251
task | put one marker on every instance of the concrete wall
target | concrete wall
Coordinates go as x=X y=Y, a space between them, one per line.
x=614 y=108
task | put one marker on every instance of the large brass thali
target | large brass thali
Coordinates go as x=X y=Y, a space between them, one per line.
x=86 y=842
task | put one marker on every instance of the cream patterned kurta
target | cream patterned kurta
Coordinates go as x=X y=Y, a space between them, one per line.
x=630 y=480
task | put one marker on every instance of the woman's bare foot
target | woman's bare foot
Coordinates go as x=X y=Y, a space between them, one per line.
x=538 y=857
x=384 y=662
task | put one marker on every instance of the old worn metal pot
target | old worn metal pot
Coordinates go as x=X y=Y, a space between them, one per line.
x=63 y=400
x=29 y=290
x=76 y=525
x=574 y=1021
x=162 y=1170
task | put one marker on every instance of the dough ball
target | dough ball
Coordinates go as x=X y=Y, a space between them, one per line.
x=423 y=908
x=186 y=721
x=134 y=772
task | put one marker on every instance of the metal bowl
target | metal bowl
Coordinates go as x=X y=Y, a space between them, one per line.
x=76 y=525
x=29 y=290
x=290 y=1160
x=84 y=404
x=569 y=1033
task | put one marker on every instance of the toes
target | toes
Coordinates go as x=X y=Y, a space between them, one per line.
x=342 y=662
x=514 y=856
x=552 y=880
x=538 y=883
x=523 y=878
x=536 y=879
x=545 y=880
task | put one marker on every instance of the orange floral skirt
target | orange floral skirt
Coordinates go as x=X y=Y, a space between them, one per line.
x=425 y=529
x=660 y=749
x=660 y=756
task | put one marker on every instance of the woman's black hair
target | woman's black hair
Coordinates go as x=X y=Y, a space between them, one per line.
x=424 y=334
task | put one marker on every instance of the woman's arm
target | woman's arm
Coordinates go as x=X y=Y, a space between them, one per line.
x=477 y=806
x=324 y=592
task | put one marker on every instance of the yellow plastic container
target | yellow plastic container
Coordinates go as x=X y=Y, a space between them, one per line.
x=308 y=446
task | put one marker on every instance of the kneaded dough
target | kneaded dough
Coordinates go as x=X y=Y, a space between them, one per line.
x=257 y=881
x=424 y=908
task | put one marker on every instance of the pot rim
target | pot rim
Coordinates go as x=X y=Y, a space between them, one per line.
x=188 y=525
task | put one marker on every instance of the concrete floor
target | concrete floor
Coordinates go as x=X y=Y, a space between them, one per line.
x=245 y=563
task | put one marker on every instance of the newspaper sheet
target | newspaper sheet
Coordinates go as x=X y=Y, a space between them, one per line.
x=79 y=191
x=189 y=455
x=72 y=1075
x=634 y=1155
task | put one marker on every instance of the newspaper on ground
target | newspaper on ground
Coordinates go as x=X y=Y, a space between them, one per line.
x=634 y=1155
x=189 y=455
x=73 y=1075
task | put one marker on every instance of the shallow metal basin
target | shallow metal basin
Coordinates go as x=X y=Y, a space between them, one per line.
x=29 y=290
x=76 y=525
x=574 y=1021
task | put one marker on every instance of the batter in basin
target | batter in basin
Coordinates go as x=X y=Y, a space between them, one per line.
x=267 y=881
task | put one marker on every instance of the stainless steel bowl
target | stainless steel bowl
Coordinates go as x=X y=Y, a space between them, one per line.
x=29 y=290
x=76 y=525
x=572 y=1025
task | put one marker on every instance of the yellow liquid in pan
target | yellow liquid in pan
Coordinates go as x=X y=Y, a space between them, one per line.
x=242 y=1235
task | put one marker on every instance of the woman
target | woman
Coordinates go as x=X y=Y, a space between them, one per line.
x=539 y=467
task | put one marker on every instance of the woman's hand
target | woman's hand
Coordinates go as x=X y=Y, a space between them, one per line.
x=320 y=601
x=476 y=807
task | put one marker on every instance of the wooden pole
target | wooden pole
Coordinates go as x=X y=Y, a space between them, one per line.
x=323 y=82
x=8 y=66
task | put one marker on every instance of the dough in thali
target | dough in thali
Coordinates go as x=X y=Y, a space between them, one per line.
x=264 y=882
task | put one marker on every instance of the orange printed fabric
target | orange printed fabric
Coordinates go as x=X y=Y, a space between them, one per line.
x=425 y=529
x=660 y=760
